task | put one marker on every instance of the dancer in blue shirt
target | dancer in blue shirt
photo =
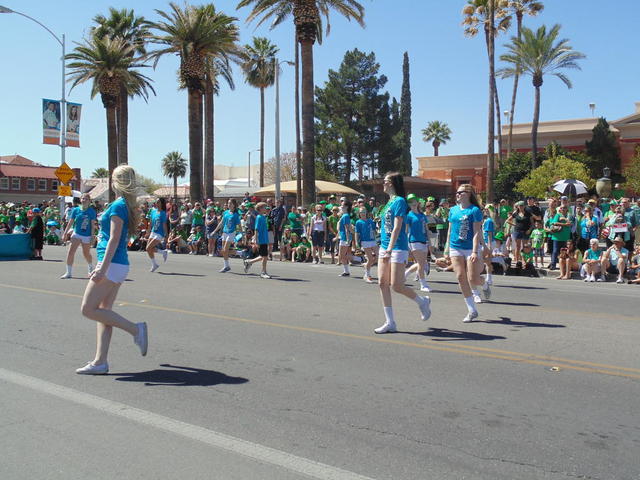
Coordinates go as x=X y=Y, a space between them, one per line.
x=366 y=239
x=83 y=223
x=261 y=239
x=418 y=241
x=345 y=230
x=158 y=232
x=228 y=224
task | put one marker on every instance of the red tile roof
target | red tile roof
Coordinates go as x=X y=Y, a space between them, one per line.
x=9 y=170
x=17 y=160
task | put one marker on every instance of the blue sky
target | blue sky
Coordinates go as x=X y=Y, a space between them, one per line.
x=448 y=77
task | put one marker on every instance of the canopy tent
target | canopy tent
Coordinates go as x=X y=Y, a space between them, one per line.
x=322 y=188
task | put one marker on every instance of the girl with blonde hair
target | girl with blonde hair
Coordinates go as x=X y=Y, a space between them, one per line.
x=120 y=218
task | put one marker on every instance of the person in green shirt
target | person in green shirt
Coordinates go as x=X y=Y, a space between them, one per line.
x=503 y=212
x=198 y=215
x=294 y=221
x=332 y=233
x=560 y=226
x=442 y=225
x=537 y=237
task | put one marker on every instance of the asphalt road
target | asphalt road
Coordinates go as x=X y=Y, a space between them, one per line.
x=284 y=379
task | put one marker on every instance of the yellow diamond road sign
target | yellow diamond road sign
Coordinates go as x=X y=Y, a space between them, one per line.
x=64 y=191
x=64 y=173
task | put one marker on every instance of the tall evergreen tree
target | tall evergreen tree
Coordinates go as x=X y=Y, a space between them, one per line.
x=405 y=118
x=390 y=141
x=602 y=150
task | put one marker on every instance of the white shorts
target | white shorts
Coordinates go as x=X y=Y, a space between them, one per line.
x=271 y=236
x=228 y=237
x=458 y=252
x=345 y=244
x=156 y=236
x=82 y=238
x=369 y=244
x=116 y=273
x=418 y=246
x=397 y=256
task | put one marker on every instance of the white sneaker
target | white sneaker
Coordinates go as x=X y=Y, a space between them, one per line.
x=211 y=254
x=247 y=266
x=620 y=280
x=425 y=288
x=164 y=255
x=91 y=369
x=477 y=299
x=142 y=339
x=600 y=278
x=417 y=279
x=66 y=275
x=225 y=269
x=386 y=328
x=486 y=292
x=592 y=278
x=265 y=275
x=344 y=274
x=425 y=308
x=587 y=278
x=470 y=317
x=154 y=268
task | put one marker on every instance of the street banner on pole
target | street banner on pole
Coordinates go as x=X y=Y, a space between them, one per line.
x=73 y=124
x=51 y=121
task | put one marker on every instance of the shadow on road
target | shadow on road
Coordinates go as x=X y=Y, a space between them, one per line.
x=514 y=304
x=507 y=321
x=181 y=274
x=446 y=335
x=524 y=287
x=178 y=376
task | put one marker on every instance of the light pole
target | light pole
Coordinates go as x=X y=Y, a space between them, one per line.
x=249 y=167
x=63 y=101
x=277 y=73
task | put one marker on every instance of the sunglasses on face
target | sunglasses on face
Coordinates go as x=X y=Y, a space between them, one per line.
x=461 y=192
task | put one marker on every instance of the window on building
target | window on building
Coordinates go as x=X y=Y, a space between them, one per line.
x=31 y=184
x=15 y=183
x=4 y=183
x=42 y=184
x=54 y=185
x=72 y=185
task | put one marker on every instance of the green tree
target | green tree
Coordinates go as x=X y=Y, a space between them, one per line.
x=306 y=18
x=632 y=173
x=405 y=118
x=195 y=34
x=493 y=18
x=259 y=66
x=511 y=170
x=540 y=180
x=100 y=173
x=134 y=31
x=107 y=63
x=148 y=184
x=438 y=133
x=519 y=8
x=538 y=54
x=602 y=149
x=174 y=167
x=390 y=140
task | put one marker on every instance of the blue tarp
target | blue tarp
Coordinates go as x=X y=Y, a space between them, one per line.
x=14 y=246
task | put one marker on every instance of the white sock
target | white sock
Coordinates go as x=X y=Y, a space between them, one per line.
x=91 y=267
x=485 y=285
x=367 y=273
x=471 y=306
x=475 y=292
x=345 y=268
x=69 y=267
x=489 y=278
x=154 y=263
x=423 y=282
x=226 y=264
x=419 y=300
x=388 y=315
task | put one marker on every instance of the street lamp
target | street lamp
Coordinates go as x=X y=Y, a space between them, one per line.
x=63 y=101
x=277 y=74
x=249 y=167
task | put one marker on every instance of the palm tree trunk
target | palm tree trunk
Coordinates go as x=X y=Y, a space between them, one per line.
x=123 y=126
x=208 y=140
x=297 y=103
x=261 y=137
x=308 y=147
x=194 y=108
x=534 y=129
x=348 y=153
x=516 y=78
x=491 y=119
x=175 y=189
x=436 y=145
x=498 y=119
x=112 y=145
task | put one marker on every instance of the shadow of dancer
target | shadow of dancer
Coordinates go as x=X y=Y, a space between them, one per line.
x=507 y=321
x=178 y=376
x=446 y=335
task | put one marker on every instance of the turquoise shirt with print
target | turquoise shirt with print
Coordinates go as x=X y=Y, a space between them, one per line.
x=417 y=222
x=461 y=221
x=366 y=230
x=395 y=208
x=230 y=220
x=261 y=228
x=488 y=226
x=116 y=209
x=343 y=227
x=158 y=221
x=82 y=220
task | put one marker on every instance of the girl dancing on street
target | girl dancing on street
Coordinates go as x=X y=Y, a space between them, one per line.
x=82 y=221
x=158 y=232
x=228 y=224
x=111 y=270
x=418 y=241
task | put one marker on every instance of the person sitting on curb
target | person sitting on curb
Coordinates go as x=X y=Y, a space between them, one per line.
x=593 y=262
x=614 y=260
x=634 y=266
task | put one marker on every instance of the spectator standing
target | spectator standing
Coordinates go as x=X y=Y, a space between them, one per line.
x=588 y=229
x=278 y=215
x=36 y=230
x=442 y=219
x=560 y=226
x=538 y=237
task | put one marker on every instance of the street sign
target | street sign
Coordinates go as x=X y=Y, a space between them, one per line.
x=64 y=173
x=64 y=191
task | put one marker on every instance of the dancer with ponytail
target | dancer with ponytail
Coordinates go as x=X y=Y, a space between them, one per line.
x=158 y=232
x=466 y=246
x=394 y=252
x=228 y=224
x=418 y=242
x=345 y=229
x=82 y=223
x=120 y=218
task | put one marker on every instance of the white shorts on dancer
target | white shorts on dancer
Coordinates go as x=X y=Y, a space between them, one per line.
x=370 y=244
x=423 y=247
x=82 y=238
x=397 y=256
x=228 y=237
x=459 y=252
x=116 y=273
x=156 y=236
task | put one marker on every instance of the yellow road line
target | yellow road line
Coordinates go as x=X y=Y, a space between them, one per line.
x=527 y=358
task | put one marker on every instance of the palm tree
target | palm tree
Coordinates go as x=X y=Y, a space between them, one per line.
x=306 y=18
x=260 y=68
x=538 y=54
x=519 y=8
x=195 y=34
x=486 y=13
x=437 y=131
x=108 y=62
x=174 y=166
x=100 y=173
x=134 y=31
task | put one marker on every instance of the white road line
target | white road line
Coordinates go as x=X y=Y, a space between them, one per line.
x=215 y=439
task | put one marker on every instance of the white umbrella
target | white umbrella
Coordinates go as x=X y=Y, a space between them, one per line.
x=570 y=186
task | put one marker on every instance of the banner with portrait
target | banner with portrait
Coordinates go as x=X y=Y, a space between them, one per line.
x=51 y=121
x=73 y=124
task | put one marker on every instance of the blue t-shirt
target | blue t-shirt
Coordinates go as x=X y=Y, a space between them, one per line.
x=261 y=228
x=158 y=221
x=614 y=256
x=589 y=232
x=590 y=254
x=488 y=226
x=230 y=220
x=82 y=220
x=417 y=222
x=461 y=223
x=396 y=208
x=116 y=209
x=343 y=227
x=366 y=230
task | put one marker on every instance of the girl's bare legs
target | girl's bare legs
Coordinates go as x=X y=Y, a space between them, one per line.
x=104 y=332
x=72 y=251
x=86 y=251
x=421 y=259
x=464 y=272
